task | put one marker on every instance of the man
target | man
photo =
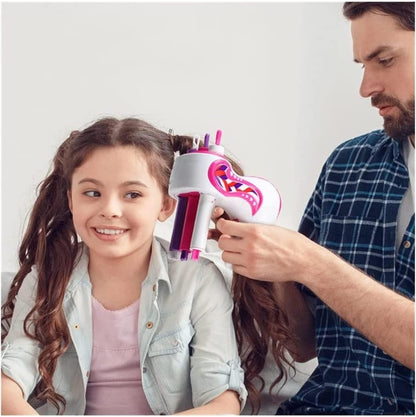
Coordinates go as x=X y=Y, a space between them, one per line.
x=354 y=255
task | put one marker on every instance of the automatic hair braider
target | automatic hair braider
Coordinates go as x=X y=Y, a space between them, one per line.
x=202 y=179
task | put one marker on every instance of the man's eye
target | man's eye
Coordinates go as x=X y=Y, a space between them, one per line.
x=385 y=62
x=133 y=195
x=92 y=193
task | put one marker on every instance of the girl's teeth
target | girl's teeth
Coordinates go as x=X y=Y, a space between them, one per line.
x=110 y=231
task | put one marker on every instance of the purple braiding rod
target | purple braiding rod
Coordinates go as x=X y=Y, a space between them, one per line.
x=178 y=224
x=206 y=141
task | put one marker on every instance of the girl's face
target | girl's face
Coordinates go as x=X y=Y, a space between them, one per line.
x=115 y=202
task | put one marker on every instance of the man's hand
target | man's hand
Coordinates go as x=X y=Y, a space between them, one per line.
x=217 y=213
x=266 y=252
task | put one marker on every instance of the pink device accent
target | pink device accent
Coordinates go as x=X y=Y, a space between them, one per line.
x=204 y=178
x=229 y=184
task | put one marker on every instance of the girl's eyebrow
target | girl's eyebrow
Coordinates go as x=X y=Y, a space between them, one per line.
x=126 y=183
x=135 y=182
x=94 y=181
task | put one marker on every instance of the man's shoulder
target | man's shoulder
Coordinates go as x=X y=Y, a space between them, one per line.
x=360 y=147
x=368 y=140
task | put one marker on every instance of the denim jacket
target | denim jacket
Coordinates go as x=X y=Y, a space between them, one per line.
x=188 y=353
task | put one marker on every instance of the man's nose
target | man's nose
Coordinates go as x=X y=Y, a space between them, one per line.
x=370 y=84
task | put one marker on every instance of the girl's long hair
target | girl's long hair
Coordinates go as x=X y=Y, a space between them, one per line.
x=50 y=245
x=261 y=327
x=50 y=241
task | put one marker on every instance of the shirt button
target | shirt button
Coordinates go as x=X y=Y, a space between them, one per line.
x=154 y=287
x=88 y=374
x=175 y=342
x=390 y=401
x=76 y=326
x=406 y=244
x=149 y=324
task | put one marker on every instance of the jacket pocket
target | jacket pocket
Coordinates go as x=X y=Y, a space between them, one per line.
x=169 y=358
x=172 y=342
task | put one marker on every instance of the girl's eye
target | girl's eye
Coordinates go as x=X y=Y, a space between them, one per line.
x=92 y=193
x=132 y=195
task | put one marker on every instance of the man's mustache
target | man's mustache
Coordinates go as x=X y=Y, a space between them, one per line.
x=384 y=100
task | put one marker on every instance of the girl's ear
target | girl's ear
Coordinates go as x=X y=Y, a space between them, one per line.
x=168 y=208
x=69 y=196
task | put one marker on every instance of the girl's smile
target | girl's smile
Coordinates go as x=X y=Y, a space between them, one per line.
x=109 y=233
x=115 y=202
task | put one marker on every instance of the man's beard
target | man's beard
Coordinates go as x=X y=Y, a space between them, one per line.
x=400 y=127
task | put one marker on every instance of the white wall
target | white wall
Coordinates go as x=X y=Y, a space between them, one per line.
x=277 y=78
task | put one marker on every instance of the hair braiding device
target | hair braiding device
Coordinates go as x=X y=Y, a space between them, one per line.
x=202 y=179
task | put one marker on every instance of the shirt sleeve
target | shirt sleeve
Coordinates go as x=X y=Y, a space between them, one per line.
x=19 y=352
x=215 y=364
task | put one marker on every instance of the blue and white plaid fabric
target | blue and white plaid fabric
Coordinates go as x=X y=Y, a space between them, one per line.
x=353 y=212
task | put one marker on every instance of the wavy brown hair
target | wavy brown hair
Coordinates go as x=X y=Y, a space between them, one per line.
x=261 y=327
x=50 y=240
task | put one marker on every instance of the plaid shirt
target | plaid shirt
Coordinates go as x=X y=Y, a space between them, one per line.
x=353 y=212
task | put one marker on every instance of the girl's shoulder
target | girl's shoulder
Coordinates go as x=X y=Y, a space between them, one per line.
x=28 y=289
x=79 y=274
x=209 y=265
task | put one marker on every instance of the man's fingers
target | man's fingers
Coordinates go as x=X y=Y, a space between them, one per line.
x=217 y=213
x=233 y=258
x=230 y=244
x=237 y=261
x=232 y=228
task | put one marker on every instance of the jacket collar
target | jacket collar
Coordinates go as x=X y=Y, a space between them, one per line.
x=158 y=267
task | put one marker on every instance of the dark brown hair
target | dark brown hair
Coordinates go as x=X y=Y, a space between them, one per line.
x=50 y=245
x=50 y=241
x=403 y=12
x=261 y=326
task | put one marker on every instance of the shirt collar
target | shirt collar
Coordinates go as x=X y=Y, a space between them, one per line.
x=158 y=267
x=387 y=141
x=80 y=271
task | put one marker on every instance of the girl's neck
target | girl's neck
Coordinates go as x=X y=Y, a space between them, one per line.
x=116 y=282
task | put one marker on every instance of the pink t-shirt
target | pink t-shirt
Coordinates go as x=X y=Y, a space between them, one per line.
x=115 y=384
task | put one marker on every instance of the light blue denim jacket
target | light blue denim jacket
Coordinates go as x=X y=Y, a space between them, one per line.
x=188 y=353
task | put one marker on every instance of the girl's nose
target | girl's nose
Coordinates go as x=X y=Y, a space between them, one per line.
x=111 y=208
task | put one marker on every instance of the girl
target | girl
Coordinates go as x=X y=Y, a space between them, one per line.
x=110 y=325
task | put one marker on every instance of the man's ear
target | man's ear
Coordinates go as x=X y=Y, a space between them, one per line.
x=69 y=196
x=168 y=208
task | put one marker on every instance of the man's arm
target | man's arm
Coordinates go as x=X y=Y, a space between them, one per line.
x=383 y=316
x=272 y=253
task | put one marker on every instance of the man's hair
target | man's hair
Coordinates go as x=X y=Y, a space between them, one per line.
x=403 y=12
